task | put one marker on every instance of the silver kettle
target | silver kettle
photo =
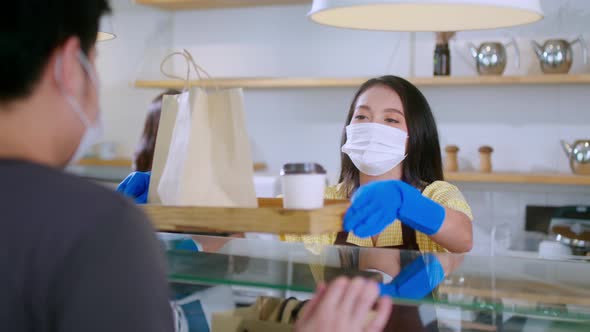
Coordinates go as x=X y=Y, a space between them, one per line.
x=579 y=156
x=556 y=55
x=490 y=57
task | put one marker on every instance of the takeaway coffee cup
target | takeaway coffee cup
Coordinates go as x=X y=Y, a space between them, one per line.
x=303 y=186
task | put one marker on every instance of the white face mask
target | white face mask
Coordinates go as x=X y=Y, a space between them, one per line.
x=94 y=131
x=374 y=148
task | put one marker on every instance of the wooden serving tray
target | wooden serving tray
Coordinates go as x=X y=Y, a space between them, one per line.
x=269 y=217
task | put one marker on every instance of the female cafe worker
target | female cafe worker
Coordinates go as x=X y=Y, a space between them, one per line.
x=392 y=172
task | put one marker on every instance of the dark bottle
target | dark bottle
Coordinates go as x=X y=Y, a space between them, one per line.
x=442 y=60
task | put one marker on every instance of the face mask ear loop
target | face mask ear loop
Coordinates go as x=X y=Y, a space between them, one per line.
x=70 y=99
x=86 y=64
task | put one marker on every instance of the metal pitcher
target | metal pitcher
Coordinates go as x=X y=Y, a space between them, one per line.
x=579 y=156
x=490 y=57
x=556 y=55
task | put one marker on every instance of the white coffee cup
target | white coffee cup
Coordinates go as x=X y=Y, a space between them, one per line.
x=304 y=185
x=553 y=249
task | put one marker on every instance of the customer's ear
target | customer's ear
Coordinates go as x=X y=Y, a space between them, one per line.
x=68 y=72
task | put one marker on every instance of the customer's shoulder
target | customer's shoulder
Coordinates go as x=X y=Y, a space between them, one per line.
x=96 y=202
x=60 y=197
x=71 y=188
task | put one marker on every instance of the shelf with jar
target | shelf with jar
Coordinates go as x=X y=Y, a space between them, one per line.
x=519 y=178
x=353 y=82
x=485 y=174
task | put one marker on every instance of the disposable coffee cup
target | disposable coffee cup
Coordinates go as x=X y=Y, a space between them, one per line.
x=304 y=185
x=553 y=249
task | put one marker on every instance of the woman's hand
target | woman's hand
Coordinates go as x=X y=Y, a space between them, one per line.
x=136 y=186
x=378 y=204
x=417 y=279
x=345 y=305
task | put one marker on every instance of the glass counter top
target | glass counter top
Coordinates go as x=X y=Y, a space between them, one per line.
x=544 y=289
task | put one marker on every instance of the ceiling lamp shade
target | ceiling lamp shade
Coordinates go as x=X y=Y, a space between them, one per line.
x=425 y=15
x=105 y=30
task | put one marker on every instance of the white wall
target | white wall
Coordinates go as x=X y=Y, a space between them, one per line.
x=143 y=36
x=523 y=123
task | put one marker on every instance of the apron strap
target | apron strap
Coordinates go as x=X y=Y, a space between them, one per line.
x=408 y=238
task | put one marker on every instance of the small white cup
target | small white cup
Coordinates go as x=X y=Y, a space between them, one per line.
x=553 y=249
x=304 y=185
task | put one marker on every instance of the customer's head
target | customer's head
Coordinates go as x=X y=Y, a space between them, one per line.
x=144 y=154
x=47 y=76
x=394 y=102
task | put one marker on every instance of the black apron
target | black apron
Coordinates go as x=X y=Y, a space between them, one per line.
x=408 y=239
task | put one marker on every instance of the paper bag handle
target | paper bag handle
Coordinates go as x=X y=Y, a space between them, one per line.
x=189 y=61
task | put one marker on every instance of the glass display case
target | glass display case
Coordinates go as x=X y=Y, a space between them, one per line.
x=238 y=281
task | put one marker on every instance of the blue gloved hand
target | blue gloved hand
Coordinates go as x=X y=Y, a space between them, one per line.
x=173 y=241
x=416 y=280
x=187 y=244
x=136 y=186
x=378 y=204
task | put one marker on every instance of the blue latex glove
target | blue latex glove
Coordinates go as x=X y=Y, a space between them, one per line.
x=136 y=186
x=378 y=204
x=187 y=244
x=417 y=279
x=172 y=241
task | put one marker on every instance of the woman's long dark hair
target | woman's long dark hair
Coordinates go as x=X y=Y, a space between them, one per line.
x=144 y=153
x=423 y=164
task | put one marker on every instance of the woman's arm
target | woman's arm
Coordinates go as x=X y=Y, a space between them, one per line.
x=455 y=234
x=377 y=204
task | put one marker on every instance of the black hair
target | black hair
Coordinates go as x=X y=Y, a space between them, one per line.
x=423 y=163
x=30 y=30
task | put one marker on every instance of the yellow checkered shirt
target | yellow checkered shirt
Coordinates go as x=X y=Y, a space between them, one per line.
x=441 y=192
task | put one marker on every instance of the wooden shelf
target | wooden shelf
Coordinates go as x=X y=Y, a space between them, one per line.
x=285 y=83
x=210 y=4
x=127 y=163
x=259 y=167
x=519 y=178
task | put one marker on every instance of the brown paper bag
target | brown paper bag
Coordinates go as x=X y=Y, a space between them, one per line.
x=167 y=121
x=209 y=162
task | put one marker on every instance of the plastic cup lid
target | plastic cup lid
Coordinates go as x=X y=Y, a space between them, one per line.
x=302 y=168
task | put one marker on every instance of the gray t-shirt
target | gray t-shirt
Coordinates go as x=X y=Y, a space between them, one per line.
x=76 y=257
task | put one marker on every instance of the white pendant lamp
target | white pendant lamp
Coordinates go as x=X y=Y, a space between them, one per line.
x=425 y=15
x=105 y=30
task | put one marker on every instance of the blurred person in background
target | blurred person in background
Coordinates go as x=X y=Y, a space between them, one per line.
x=144 y=153
x=137 y=183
